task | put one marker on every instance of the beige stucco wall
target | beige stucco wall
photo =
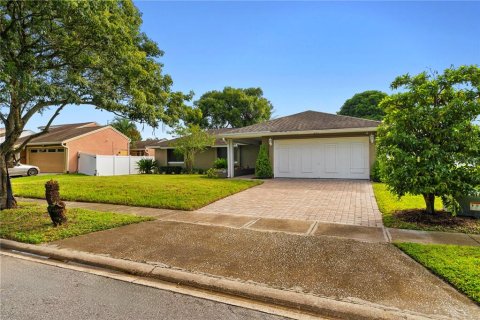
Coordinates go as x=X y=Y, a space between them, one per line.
x=161 y=157
x=205 y=159
x=103 y=142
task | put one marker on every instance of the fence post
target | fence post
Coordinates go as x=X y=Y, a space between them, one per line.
x=113 y=164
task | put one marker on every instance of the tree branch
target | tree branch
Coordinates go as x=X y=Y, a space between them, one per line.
x=45 y=130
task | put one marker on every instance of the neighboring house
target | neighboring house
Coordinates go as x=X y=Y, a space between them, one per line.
x=57 y=151
x=23 y=134
x=309 y=144
x=145 y=147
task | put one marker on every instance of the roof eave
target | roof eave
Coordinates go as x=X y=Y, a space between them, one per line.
x=294 y=133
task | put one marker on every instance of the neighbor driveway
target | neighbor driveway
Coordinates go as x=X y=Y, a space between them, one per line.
x=335 y=201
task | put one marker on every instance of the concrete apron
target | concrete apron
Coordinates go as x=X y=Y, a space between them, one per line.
x=297 y=227
x=317 y=305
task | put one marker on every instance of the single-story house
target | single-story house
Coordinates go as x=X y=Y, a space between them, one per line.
x=57 y=151
x=309 y=144
x=145 y=147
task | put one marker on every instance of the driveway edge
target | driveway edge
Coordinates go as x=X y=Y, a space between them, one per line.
x=300 y=301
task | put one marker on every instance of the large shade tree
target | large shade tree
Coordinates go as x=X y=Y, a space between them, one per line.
x=429 y=143
x=59 y=53
x=364 y=105
x=231 y=108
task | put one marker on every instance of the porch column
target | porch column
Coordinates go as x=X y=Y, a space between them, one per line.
x=230 y=159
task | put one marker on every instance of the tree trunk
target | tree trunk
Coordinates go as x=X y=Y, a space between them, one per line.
x=7 y=200
x=56 y=207
x=430 y=202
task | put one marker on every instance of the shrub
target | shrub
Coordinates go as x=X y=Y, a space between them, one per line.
x=170 y=169
x=193 y=171
x=263 y=168
x=147 y=166
x=212 y=173
x=375 y=172
x=220 y=163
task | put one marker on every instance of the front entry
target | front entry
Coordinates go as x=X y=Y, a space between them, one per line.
x=338 y=158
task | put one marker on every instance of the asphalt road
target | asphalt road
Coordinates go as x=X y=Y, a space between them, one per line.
x=30 y=290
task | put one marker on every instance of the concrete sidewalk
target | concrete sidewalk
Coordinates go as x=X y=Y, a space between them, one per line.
x=299 y=227
x=365 y=273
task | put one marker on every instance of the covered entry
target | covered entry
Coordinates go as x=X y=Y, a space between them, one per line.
x=48 y=159
x=341 y=158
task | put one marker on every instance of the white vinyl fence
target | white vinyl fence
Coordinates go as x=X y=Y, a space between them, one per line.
x=97 y=165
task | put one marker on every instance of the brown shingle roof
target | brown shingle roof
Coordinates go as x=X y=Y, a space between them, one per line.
x=307 y=121
x=60 y=133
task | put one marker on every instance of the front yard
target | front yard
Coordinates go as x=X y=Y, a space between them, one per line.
x=459 y=265
x=31 y=223
x=183 y=192
x=407 y=213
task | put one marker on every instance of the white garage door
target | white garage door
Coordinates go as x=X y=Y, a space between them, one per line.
x=340 y=158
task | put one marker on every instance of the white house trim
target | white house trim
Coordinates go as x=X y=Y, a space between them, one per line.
x=230 y=158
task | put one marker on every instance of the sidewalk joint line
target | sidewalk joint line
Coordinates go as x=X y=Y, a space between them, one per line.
x=248 y=224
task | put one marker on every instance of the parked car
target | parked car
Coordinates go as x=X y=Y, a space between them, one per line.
x=20 y=169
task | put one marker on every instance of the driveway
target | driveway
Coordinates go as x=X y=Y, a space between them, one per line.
x=349 y=202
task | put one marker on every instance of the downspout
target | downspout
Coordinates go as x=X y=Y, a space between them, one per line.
x=66 y=157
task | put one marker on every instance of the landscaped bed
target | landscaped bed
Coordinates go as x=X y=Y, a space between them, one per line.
x=31 y=223
x=183 y=192
x=409 y=213
x=459 y=265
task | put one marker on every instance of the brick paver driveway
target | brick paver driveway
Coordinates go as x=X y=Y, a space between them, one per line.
x=335 y=201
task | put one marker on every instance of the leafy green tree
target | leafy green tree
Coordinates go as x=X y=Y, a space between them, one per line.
x=231 y=108
x=428 y=143
x=127 y=127
x=190 y=141
x=263 y=167
x=364 y=105
x=59 y=53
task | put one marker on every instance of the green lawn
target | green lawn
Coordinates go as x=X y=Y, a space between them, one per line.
x=406 y=214
x=458 y=265
x=184 y=192
x=31 y=223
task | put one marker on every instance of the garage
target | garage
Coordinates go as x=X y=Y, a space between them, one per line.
x=49 y=160
x=333 y=158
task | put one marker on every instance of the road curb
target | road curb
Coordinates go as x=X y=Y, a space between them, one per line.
x=299 y=301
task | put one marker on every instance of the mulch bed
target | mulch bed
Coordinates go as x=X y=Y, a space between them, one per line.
x=439 y=219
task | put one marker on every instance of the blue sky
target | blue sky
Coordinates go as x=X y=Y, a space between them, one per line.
x=304 y=55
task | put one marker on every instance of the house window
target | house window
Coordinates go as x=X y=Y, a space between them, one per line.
x=49 y=150
x=172 y=156
x=222 y=153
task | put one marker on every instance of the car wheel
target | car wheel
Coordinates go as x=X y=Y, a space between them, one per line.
x=32 y=172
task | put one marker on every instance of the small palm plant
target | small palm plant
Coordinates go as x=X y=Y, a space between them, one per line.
x=147 y=166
